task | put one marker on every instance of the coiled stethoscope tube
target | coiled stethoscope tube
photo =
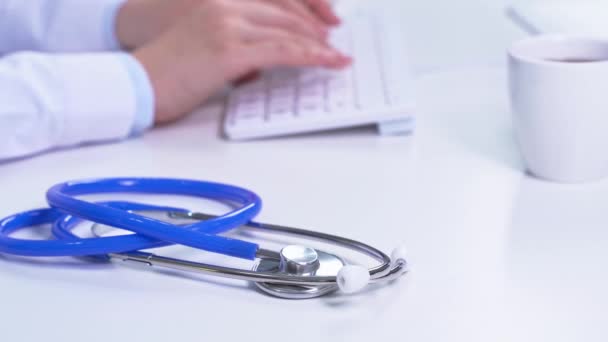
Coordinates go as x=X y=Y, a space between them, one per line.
x=178 y=225
x=200 y=235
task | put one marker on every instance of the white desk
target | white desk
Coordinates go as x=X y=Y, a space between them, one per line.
x=496 y=256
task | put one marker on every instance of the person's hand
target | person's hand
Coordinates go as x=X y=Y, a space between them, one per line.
x=220 y=41
x=140 y=21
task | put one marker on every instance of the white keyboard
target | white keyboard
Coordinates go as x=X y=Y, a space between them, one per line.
x=375 y=89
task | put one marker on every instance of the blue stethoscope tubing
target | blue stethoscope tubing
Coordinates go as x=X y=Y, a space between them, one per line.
x=67 y=243
x=62 y=229
x=63 y=226
x=150 y=232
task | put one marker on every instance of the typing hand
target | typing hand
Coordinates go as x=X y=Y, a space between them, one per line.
x=220 y=41
x=140 y=21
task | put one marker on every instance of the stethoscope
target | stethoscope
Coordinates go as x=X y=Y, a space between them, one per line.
x=294 y=272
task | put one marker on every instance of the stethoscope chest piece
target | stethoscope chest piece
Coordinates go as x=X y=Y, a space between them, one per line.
x=299 y=261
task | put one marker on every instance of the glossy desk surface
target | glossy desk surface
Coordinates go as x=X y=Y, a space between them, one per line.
x=496 y=255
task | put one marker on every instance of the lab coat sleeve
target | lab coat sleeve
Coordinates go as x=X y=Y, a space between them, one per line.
x=58 y=25
x=59 y=100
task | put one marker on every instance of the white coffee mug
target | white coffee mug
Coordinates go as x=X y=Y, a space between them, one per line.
x=559 y=99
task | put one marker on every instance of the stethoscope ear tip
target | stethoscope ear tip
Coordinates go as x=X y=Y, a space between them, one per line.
x=352 y=278
x=399 y=255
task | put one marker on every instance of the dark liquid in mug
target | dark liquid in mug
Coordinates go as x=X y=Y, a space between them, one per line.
x=578 y=60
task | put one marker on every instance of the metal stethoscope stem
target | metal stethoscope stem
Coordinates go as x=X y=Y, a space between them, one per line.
x=386 y=270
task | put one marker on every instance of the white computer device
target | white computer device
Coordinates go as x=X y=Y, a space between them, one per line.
x=375 y=90
x=580 y=17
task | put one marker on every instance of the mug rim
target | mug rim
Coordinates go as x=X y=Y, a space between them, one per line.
x=515 y=50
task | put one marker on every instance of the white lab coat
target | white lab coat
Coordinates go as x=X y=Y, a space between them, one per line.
x=54 y=95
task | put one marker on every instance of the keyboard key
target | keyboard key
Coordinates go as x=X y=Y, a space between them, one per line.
x=281 y=106
x=310 y=106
